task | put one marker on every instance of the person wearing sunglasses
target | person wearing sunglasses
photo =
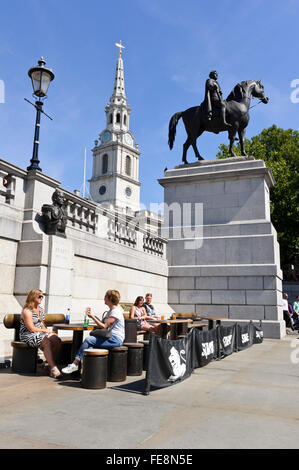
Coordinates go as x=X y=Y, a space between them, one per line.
x=35 y=333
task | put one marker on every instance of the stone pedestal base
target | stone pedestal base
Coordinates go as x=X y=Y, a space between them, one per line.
x=46 y=265
x=225 y=263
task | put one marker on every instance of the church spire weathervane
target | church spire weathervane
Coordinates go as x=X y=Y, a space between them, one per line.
x=120 y=47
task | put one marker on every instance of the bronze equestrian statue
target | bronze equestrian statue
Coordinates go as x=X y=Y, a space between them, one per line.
x=216 y=115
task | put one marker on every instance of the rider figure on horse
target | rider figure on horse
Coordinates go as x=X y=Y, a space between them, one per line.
x=213 y=98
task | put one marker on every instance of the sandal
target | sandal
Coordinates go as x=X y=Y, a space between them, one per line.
x=53 y=375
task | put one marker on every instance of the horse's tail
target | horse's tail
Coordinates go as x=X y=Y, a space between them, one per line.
x=172 y=128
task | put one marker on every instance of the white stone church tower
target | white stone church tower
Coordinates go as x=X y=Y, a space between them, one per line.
x=115 y=171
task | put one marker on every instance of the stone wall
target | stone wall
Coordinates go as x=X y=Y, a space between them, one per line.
x=101 y=251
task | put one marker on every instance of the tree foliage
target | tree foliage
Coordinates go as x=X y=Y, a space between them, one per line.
x=279 y=149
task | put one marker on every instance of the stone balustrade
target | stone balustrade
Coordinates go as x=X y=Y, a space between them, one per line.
x=87 y=216
x=81 y=213
x=121 y=232
x=153 y=245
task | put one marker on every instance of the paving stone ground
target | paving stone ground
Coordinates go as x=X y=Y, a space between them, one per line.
x=247 y=400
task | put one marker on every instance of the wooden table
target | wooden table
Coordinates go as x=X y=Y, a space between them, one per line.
x=77 y=329
x=212 y=321
x=173 y=324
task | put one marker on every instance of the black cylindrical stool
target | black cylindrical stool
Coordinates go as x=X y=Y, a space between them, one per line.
x=64 y=353
x=24 y=358
x=135 y=358
x=182 y=329
x=94 y=373
x=130 y=331
x=117 y=364
x=145 y=343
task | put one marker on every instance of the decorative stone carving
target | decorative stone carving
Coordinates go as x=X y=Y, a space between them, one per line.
x=54 y=215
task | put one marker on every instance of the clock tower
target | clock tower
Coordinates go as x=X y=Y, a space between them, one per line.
x=115 y=170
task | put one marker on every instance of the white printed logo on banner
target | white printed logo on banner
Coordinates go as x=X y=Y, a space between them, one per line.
x=207 y=349
x=227 y=340
x=178 y=367
x=245 y=338
x=259 y=334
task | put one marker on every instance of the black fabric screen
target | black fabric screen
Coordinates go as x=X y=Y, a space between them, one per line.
x=244 y=336
x=171 y=360
x=227 y=338
x=204 y=347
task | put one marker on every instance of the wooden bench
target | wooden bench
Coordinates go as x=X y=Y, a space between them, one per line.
x=212 y=320
x=24 y=358
x=182 y=328
x=191 y=315
x=131 y=331
x=200 y=325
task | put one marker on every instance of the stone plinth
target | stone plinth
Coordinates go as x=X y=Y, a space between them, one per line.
x=223 y=253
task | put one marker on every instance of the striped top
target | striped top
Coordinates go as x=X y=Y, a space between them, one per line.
x=33 y=339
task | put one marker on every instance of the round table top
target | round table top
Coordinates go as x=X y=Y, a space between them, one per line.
x=212 y=318
x=179 y=320
x=73 y=326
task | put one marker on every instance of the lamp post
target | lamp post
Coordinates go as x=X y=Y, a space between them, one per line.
x=41 y=78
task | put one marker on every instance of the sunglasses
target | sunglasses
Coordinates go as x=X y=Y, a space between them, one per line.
x=40 y=297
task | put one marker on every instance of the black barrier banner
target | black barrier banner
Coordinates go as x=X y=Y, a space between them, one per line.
x=227 y=338
x=170 y=362
x=204 y=347
x=244 y=336
x=258 y=334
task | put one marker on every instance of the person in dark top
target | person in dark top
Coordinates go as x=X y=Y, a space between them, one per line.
x=286 y=314
x=149 y=308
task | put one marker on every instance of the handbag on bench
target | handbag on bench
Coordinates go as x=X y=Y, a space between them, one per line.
x=102 y=332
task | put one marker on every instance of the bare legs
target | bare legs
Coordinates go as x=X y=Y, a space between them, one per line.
x=156 y=329
x=50 y=346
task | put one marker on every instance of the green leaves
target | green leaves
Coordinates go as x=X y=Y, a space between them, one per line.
x=279 y=149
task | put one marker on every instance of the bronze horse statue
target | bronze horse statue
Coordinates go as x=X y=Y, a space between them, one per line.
x=237 y=114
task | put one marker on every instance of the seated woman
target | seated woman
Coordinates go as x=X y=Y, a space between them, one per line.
x=34 y=332
x=138 y=311
x=114 y=319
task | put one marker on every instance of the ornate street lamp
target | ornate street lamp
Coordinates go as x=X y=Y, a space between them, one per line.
x=41 y=78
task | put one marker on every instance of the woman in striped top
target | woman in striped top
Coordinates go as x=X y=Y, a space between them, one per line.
x=34 y=332
x=138 y=311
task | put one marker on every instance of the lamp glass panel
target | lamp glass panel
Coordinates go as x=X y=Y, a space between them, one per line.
x=45 y=82
x=36 y=81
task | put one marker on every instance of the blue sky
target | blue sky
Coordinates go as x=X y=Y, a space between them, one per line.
x=171 y=46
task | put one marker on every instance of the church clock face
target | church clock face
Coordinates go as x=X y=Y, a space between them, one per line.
x=102 y=190
x=128 y=191
x=106 y=137
x=128 y=139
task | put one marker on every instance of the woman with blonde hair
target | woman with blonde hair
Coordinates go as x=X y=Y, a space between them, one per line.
x=35 y=333
x=113 y=321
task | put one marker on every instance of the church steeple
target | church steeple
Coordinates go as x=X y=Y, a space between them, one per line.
x=119 y=81
x=117 y=110
x=115 y=176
